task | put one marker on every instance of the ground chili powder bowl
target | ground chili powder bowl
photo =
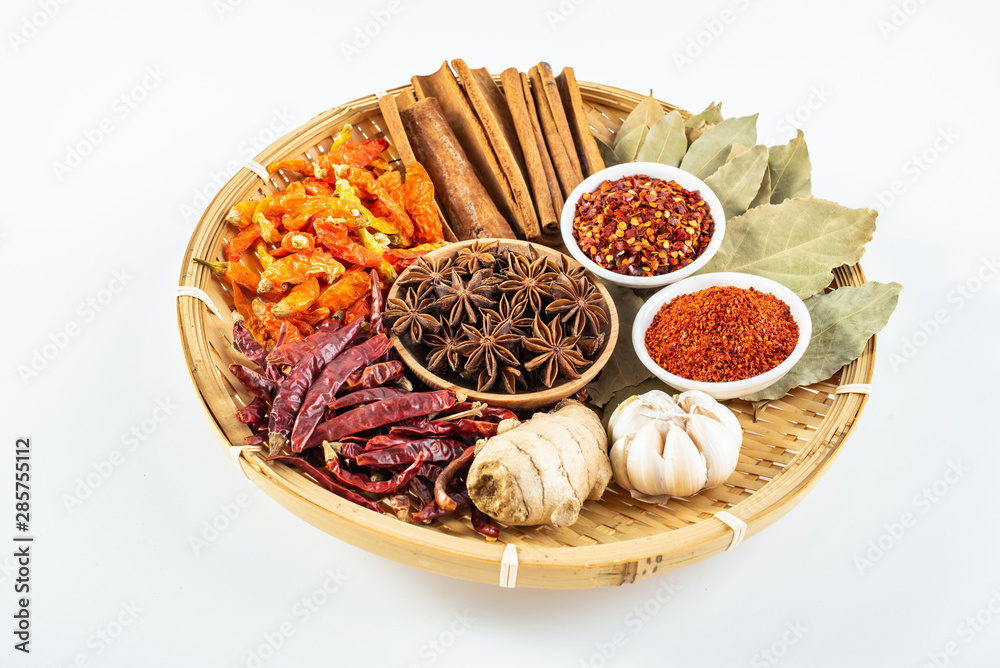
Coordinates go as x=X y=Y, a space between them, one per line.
x=730 y=389
x=654 y=170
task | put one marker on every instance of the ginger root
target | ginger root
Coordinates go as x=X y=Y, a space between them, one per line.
x=542 y=471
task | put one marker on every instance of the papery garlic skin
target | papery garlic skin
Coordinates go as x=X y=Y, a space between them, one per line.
x=716 y=443
x=694 y=399
x=634 y=412
x=619 y=457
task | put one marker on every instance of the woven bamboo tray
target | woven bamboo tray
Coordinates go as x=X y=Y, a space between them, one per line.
x=617 y=539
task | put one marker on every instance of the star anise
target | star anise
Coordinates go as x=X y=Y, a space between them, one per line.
x=477 y=256
x=579 y=304
x=444 y=349
x=511 y=312
x=410 y=314
x=427 y=274
x=458 y=297
x=528 y=280
x=563 y=267
x=510 y=378
x=488 y=348
x=589 y=345
x=555 y=353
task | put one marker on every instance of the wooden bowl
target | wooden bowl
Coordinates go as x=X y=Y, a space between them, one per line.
x=412 y=355
x=787 y=446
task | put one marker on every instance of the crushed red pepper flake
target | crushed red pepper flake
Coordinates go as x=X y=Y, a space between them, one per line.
x=721 y=334
x=642 y=226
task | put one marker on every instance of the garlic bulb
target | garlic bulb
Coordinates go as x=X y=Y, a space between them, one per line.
x=637 y=410
x=662 y=448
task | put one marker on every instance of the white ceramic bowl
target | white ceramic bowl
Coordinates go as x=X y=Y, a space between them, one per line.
x=684 y=179
x=735 y=388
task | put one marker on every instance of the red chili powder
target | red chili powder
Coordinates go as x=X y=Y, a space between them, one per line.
x=721 y=334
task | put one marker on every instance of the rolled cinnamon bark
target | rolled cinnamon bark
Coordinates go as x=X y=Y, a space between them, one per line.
x=471 y=212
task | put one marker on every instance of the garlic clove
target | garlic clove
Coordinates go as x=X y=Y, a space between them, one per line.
x=633 y=413
x=685 y=469
x=619 y=457
x=699 y=403
x=716 y=443
x=644 y=465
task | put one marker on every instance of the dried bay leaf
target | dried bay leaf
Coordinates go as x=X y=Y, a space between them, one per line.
x=712 y=115
x=666 y=142
x=764 y=194
x=797 y=243
x=645 y=115
x=791 y=170
x=607 y=153
x=628 y=147
x=842 y=322
x=624 y=367
x=709 y=151
x=736 y=183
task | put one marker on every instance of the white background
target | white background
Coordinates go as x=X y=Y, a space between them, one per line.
x=874 y=85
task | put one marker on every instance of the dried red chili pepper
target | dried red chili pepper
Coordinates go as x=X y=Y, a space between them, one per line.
x=361 y=482
x=238 y=245
x=258 y=385
x=377 y=302
x=430 y=449
x=327 y=384
x=366 y=396
x=246 y=344
x=483 y=524
x=494 y=412
x=433 y=511
x=253 y=413
x=721 y=334
x=453 y=468
x=256 y=439
x=290 y=353
x=400 y=504
x=422 y=491
x=382 y=441
x=327 y=481
x=454 y=428
x=384 y=412
x=357 y=311
x=289 y=398
x=642 y=226
x=374 y=376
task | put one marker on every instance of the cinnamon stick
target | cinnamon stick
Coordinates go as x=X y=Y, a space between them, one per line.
x=554 y=98
x=586 y=145
x=568 y=176
x=470 y=134
x=471 y=212
x=543 y=151
x=548 y=216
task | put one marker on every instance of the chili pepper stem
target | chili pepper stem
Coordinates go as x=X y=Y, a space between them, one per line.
x=217 y=268
x=475 y=411
x=332 y=449
x=275 y=442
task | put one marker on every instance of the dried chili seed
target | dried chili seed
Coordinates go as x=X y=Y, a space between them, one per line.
x=722 y=333
x=642 y=226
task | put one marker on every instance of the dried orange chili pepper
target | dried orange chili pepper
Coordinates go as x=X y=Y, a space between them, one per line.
x=273 y=323
x=355 y=153
x=298 y=242
x=269 y=229
x=234 y=272
x=299 y=165
x=360 y=310
x=238 y=245
x=299 y=299
x=351 y=287
x=334 y=237
x=299 y=267
x=263 y=254
x=316 y=187
x=418 y=199
x=241 y=215
x=250 y=318
x=369 y=186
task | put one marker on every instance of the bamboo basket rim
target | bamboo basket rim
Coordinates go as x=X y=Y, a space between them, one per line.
x=611 y=563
